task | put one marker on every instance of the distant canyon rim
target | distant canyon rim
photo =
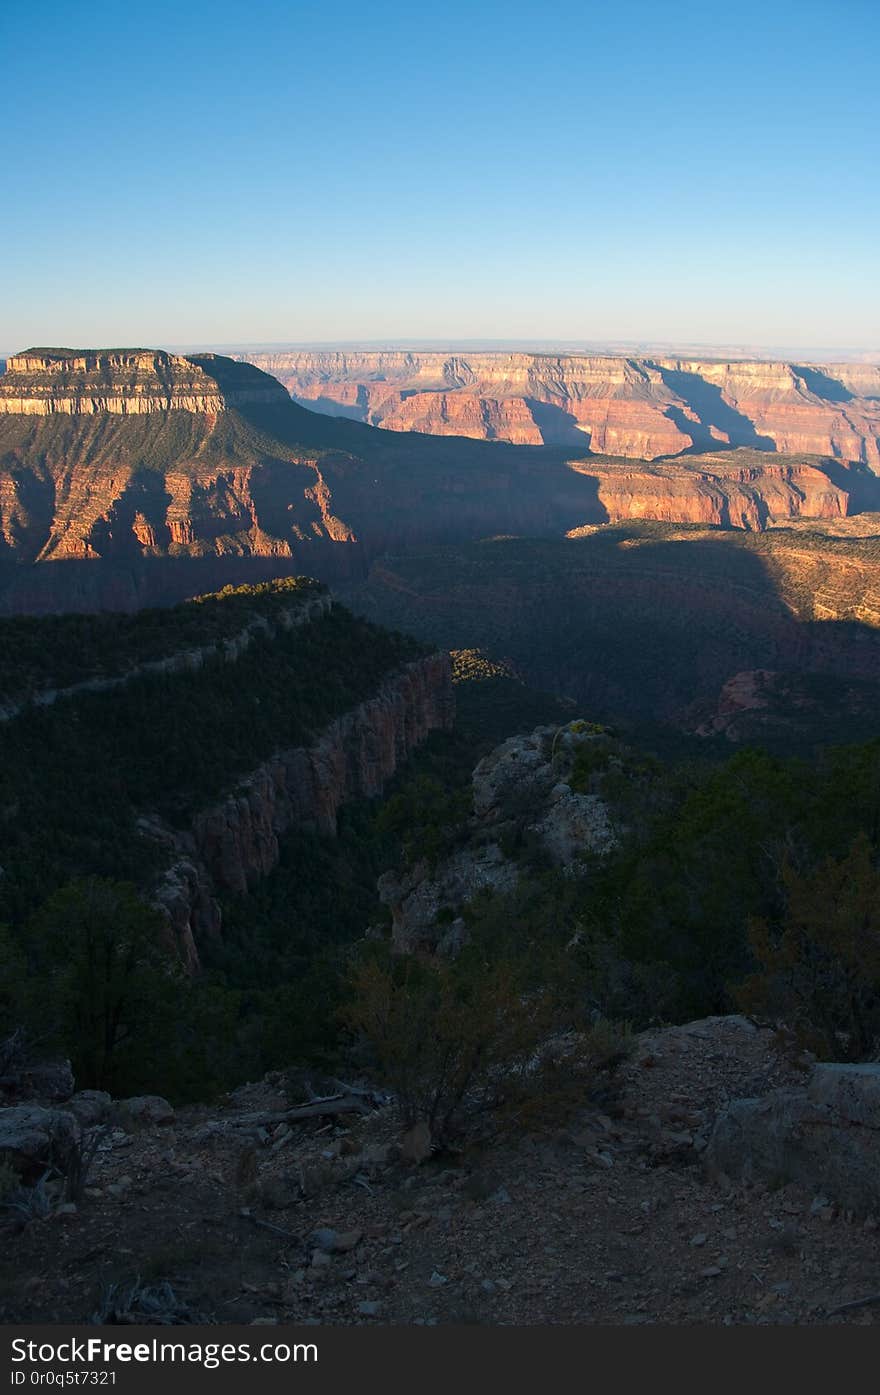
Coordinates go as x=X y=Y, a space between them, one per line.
x=638 y=408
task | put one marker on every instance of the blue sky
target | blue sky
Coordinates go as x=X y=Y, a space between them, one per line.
x=266 y=171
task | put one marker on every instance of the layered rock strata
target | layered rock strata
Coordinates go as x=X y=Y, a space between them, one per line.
x=129 y=457
x=127 y=382
x=641 y=408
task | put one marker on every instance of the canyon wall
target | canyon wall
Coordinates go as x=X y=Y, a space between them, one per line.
x=235 y=842
x=205 y=465
x=642 y=408
x=724 y=490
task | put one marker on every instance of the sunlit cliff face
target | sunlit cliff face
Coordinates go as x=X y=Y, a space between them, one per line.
x=638 y=408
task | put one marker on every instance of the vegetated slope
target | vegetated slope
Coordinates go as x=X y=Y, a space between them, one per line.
x=637 y=407
x=647 y=622
x=178 y=475
x=42 y=655
x=78 y=774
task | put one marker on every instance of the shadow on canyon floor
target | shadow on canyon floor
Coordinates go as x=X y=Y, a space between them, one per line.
x=631 y=623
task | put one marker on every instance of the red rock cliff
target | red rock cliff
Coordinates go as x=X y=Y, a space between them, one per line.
x=641 y=408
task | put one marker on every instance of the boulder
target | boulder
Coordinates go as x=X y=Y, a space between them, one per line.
x=89 y=1107
x=148 y=1109
x=852 y=1091
x=416 y=1144
x=826 y=1137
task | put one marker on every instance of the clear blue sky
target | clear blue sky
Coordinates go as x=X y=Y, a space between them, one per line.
x=265 y=171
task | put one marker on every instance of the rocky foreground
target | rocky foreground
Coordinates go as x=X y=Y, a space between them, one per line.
x=637 y=1210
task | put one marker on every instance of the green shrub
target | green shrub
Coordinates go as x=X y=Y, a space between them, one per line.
x=819 y=965
x=455 y=1039
x=105 y=985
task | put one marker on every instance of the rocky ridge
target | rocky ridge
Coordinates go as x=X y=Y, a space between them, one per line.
x=134 y=457
x=309 y=608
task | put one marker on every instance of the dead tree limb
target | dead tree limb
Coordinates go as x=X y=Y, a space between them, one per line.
x=318 y=1109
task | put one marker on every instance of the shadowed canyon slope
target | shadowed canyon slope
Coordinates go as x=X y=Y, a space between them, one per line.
x=648 y=622
x=181 y=474
x=640 y=408
x=254 y=711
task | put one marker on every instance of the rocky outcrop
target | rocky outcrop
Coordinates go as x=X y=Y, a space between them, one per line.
x=521 y=792
x=642 y=408
x=826 y=1136
x=235 y=842
x=756 y=705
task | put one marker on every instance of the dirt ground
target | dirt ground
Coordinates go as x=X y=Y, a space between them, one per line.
x=611 y=1220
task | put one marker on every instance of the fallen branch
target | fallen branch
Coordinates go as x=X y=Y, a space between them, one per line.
x=318 y=1109
x=856 y=1303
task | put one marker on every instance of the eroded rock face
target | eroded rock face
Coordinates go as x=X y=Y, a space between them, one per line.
x=126 y=382
x=422 y=904
x=718 y=490
x=519 y=790
x=124 y=457
x=235 y=842
x=826 y=1136
x=641 y=408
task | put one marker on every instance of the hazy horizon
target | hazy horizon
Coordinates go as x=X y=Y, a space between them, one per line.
x=277 y=174
x=643 y=348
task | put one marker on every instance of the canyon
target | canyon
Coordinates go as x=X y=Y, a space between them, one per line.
x=179 y=475
x=639 y=408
